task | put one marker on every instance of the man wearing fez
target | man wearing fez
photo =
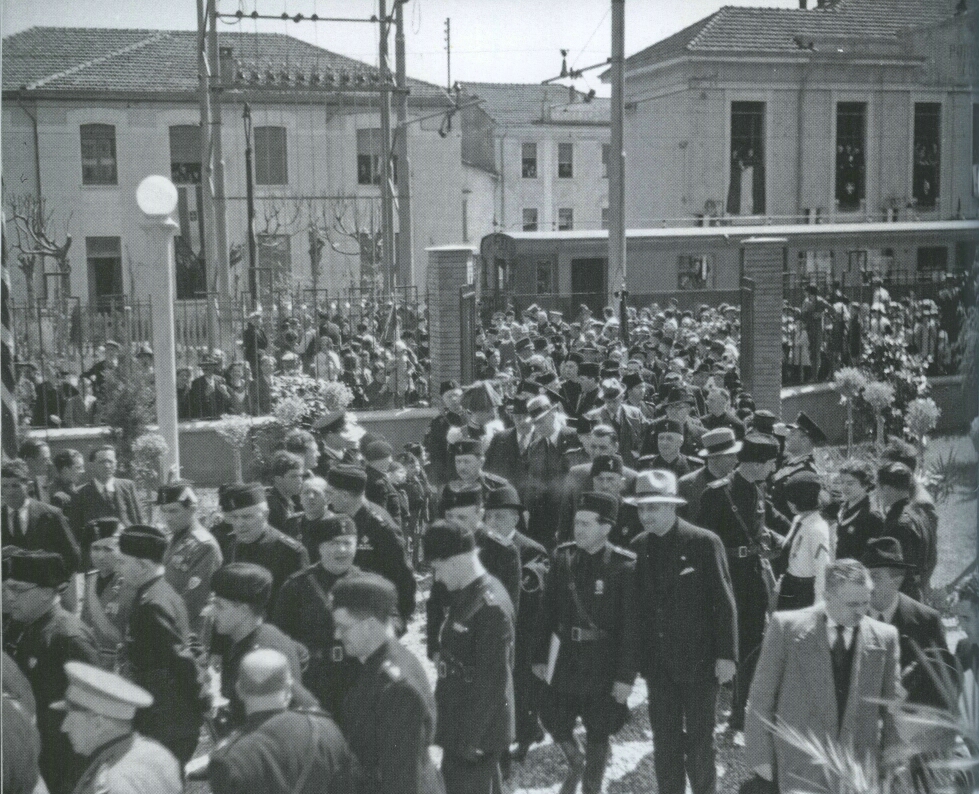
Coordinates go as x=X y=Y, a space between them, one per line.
x=905 y=522
x=804 y=436
x=380 y=545
x=677 y=406
x=719 y=412
x=254 y=540
x=608 y=476
x=339 y=435
x=466 y=456
x=389 y=715
x=379 y=455
x=193 y=554
x=584 y=648
x=107 y=598
x=474 y=694
x=720 y=454
x=240 y=597
x=158 y=652
x=504 y=517
x=100 y=708
x=669 y=456
x=687 y=639
x=49 y=637
x=303 y=609
x=734 y=508
x=280 y=748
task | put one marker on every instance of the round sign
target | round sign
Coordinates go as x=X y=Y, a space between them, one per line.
x=156 y=196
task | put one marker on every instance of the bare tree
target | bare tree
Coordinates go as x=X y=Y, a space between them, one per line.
x=352 y=227
x=36 y=236
x=281 y=217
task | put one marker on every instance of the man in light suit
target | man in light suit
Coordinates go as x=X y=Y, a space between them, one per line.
x=818 y=667
x=106 y=495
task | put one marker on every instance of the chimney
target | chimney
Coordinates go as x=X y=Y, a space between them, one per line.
x=803 y=4
x=226 y=64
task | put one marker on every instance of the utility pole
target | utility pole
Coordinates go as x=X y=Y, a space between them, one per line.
x=616 y=181
x=210 y=247
x=448 y=54
x=406 y=265
x=250 y=208
x=387 y=197
x=215 y=159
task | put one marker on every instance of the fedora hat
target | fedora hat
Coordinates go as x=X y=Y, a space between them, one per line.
x=656 y=486
x=720 y=441
x=884 y=553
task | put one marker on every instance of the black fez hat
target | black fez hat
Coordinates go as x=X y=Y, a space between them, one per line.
x=764 y=422
x=177 y=491
x=802 y=489
x=366 y=593
x=461 y=496
x=143 y=541
x=504 y=497
x=588 y=369
x=631 y=380
x=606 y=463
x=896 y=475
x=241 y=495
x=810 y=428
x=540 y=344
x=41 y=568
x=576 y=358
x=322 y=530
x=758 y=448
x=523 y=344
x=347 y=477
x=669 y=426
x=446 y=539
x=101 y=529
x=884 y=552
x=466 y=446
x=646 y=462
x=243 y=582
x=519 y=406
x=378 y=450
x=583 y=425
x=606 y=505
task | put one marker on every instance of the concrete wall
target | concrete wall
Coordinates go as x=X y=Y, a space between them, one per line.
x=206 y=458
x=822 y=403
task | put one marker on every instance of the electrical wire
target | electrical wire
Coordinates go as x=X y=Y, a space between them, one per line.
x=600 y=23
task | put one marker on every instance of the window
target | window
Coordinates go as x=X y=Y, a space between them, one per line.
x=530 y=220
x=528 y=160
x=274 y=261
x=270 y=156
x=565 y=219
x=694 y=271
x=746 y=191
x=99 y=154
x=185 y=154
x=932 y=260
x=606 y=155
x=369 y=151
x=104 y=257
x=565 y=160
x=927 y=154
x=605 y=217
x=545 y=276
x=815 y=267
x=851 y=125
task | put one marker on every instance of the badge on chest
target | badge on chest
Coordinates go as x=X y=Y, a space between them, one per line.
x=599 y=587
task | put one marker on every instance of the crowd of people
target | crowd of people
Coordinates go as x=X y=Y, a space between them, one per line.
x=589 y=512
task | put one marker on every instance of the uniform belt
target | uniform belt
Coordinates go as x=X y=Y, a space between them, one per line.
x=448 y=666
x=741 y=551
x=579 y=634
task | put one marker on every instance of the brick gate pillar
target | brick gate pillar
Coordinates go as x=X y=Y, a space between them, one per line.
x=762 y=261
x=450 y=267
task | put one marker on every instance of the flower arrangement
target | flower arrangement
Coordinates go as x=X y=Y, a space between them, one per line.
x=880 y=397
x=849 y=382
x=235 y=430
x=147 y=451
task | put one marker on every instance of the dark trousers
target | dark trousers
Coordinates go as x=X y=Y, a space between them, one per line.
x=526 y=695
x=471 y=777
x=751 y=632
x=681 y=714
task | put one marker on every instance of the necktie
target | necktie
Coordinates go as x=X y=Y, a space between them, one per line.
x=15 y=523
x=839 y=647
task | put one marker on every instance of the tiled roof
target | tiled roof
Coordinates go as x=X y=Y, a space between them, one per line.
x=512 y=104
x=155 y=61
x=774 y=30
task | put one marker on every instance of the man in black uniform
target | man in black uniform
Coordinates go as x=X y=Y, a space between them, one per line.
x=254 y=540
x=339 y=437
x=241 y=592
x=303 y=609
x=687 y=633
x=282 y=496
x=735 y=509
x=440 y=464
x=389 y=715
x=467 y=457
x=49 y=636
x=505 y=516
x=380 y=545
x=280 y=750
x=157 y=650
x=379 y=456
x=474 y=694
x=669 y=443
x=584 y=649
x=803 y=438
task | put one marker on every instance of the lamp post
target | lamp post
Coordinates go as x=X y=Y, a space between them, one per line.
x=157 y=198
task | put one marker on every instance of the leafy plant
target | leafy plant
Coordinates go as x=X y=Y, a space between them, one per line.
x=235 y=430
x=127 y=406
x=147 y=450
x=849 y=382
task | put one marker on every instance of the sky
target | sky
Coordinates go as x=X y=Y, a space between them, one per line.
x=491 y=40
